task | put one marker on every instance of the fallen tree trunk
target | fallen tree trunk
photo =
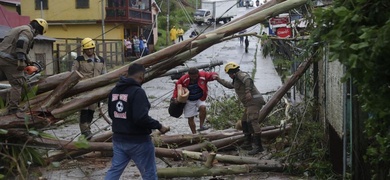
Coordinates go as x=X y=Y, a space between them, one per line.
x=182 y=70
x=55 y=97
x=215 y=171
x=267 y=108
x=201 y=171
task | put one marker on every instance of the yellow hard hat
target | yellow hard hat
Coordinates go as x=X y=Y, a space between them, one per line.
x=87 y=43
x=43 y=23
x=231 y=66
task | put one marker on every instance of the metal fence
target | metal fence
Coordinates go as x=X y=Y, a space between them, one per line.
x=66 y=50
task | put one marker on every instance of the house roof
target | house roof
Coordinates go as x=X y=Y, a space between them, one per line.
x=154 y=3
x=13 y=19
x=4 y=30
x=15 y=2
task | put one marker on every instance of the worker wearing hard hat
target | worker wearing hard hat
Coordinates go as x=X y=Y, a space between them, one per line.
x=252 y=100
x=89 y=64
x=14 y=58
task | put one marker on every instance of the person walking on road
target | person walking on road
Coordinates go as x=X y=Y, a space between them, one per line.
x=246 y=44
x=180 y=33
x=89 y=64
x=173 y=34
x=196 y=83
x=252 y=100
x=14 y=58
x=128 y=107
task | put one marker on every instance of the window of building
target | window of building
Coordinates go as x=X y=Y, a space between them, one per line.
x=40 y=57
x=82 y=4
x=43 y=3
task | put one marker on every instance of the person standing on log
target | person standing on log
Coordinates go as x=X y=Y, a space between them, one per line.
x=128 y=107
x=14 y=58
x=89 y=65
x=252 y=100
x=196 y=83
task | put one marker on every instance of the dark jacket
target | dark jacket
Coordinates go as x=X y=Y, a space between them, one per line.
x=128 y=107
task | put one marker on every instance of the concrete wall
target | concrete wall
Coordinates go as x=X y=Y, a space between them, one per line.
x=63 y=10
x=46 y=48
x=93 y=31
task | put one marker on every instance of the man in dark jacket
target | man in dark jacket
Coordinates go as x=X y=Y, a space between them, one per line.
x=128 y=107
x=252 y=100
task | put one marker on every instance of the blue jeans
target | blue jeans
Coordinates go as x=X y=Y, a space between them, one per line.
x=142 y=154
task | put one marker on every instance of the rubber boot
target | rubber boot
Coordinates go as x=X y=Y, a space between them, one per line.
x=85 y=121
x=258 y=147
x=247 y=145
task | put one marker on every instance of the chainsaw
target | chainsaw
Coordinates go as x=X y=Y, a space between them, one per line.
x=33 y=69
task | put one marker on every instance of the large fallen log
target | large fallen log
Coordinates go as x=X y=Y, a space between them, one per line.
x=214 y=171
x=267 y=108
x=55 y=96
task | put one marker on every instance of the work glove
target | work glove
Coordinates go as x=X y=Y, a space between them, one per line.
x=164 y=129
x=30 y=70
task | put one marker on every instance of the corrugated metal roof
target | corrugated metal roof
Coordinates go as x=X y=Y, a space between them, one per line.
x=16 y=2
x=4 y=30
x=12 y=19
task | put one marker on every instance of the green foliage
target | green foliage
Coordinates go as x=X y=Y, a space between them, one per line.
x=82 y=142
x=30 y=92
x=19 y=159
x=177 y=17
x=225 y=112
x=306 y=145
x=358 y=33
x=2 y=103
x=3 y=131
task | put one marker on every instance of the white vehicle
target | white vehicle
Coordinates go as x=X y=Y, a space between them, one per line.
x=216 y=11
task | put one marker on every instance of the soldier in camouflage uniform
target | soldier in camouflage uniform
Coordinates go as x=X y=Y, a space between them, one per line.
x=252 y=100
x=14 y=51
x=89 y=65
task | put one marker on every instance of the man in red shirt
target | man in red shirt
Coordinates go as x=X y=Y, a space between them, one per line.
x=196 y=83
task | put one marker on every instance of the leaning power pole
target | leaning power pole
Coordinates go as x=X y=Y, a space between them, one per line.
x=168 y=23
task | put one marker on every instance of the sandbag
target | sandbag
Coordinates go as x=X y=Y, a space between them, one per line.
x=182 y=94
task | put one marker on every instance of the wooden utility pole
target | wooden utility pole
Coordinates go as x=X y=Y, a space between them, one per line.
x=168 y=23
